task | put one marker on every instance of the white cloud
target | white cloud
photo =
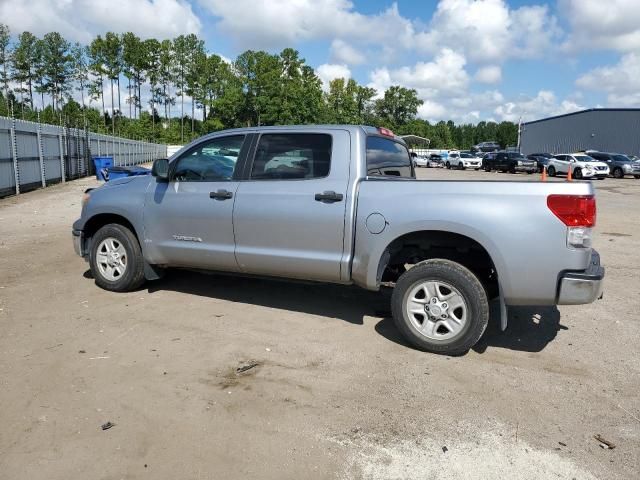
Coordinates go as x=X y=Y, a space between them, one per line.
x=621 y=81
x=329 y=71
x=445 y=75
x=80 y=20
x=281 y=23
x=610 y=24
x=488 y=30
x=490 y=74
x=432 y=111
x=342 y=52
x=544 y=104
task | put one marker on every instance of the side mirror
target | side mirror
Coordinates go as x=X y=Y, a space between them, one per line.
x=160 y=169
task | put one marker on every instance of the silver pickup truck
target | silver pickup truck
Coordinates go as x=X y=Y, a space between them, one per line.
x=341 y=204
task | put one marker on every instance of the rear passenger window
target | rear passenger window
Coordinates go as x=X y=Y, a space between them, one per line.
x=386 y=157
x=289 y=156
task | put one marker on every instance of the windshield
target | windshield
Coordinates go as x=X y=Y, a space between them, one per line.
x=621 y=158
x=516 y=155
x=466 y=155
x=583 y=158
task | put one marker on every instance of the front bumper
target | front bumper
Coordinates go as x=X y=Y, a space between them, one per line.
x=78 y=242
x=525 y=168
x=577 y=288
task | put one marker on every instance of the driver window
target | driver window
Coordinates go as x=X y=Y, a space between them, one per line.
x=211 y=161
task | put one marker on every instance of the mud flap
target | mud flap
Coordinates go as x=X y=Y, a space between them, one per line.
x=503 y=310
x=152 y=272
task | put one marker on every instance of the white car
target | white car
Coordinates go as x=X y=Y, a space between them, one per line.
x=421 y=161
x=581 y=165
x=463 y=160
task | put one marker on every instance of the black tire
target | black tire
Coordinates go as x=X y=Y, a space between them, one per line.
x=551 y=171
x=618 y=173
x=512 y=169
x=636 y=176
x=133 y=276
x=577 y=174
x=487 y=167
x=470 y=289
x=461 y=166
x=448 y=166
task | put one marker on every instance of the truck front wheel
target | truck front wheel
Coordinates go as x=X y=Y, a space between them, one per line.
x=440 y=306
x=116 y=259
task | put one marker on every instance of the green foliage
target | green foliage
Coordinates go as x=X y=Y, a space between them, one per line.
x=258 y=88
x=398 y=106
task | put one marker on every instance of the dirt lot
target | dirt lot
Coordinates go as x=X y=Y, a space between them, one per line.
x=335 y=393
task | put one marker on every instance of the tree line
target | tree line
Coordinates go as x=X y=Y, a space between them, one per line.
x=149 y=82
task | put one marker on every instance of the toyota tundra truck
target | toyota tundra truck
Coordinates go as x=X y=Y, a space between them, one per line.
x=341 y=204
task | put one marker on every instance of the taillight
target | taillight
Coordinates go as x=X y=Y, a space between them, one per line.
x=574 y=210
x=385 y=131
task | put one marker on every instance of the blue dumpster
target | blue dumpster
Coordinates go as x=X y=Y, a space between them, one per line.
x=111 y=173
x=101 y=163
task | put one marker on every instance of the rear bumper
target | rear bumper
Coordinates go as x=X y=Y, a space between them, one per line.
x=586 y=286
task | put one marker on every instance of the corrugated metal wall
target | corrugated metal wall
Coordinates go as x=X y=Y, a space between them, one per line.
x=605 y=130
x=34 y=155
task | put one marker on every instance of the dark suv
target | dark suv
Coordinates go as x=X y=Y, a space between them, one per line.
x=486 y=147
x=619 y=165
x=511 y=162
x=541 y=158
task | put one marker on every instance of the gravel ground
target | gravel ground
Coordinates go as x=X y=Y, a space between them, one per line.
x=333 y=391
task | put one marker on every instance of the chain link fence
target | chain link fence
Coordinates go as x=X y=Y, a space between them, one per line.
x=35 y=155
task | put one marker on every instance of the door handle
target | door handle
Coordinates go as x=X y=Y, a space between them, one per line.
x=221 y=195
x=329 y=197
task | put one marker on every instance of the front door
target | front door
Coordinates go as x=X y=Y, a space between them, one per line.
x=188 y=221
x=289 y=214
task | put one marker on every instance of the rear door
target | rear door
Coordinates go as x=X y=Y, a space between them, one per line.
x=289 y=213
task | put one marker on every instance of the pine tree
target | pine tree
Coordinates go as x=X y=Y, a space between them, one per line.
x=25 y=62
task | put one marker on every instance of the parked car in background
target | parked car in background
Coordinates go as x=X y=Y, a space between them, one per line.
x=511 y=162
x=619 y=164
x=581 y=166
x=435 y=161
x=464 y=160
x=347 y=216
x=453 y=158
x=420 y=161
x=487 y=147
x=541 y=158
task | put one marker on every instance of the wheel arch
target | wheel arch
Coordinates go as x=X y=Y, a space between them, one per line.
x=99 y=220
x=411 y=247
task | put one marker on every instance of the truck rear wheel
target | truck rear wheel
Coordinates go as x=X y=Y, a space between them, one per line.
x=440 y=306
x=116 y=259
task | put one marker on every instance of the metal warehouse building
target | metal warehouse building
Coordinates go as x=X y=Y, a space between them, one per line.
x=605 y=129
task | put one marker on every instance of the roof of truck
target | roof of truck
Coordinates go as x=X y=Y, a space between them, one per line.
x=369 y=130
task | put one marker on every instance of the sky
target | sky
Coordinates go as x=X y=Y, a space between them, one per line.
x=469 y=60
